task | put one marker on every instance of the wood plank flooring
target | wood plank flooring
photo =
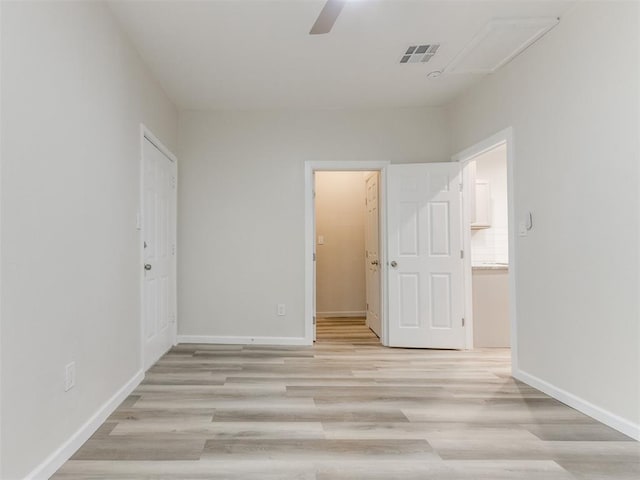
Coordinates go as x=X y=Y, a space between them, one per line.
x=346 y=408
x=345 y=330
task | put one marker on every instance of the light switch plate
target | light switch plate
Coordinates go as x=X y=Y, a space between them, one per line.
x=522 y=229
x=320 y=239
x=69 y=376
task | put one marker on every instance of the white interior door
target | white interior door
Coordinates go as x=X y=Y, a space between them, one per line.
x=425 y=280
x=158 y=233
x=372 y=256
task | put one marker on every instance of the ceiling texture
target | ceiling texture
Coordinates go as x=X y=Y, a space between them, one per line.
x=258 y=54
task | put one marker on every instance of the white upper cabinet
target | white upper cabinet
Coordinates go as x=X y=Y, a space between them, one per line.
x=481 y=205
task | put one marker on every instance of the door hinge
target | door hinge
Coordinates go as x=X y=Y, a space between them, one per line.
x=463 y=321
x=314 y=194
x=173 y=182
x=314 y=257
x=460 y=187
x=461 y=253
x=367 y=307
x=173 y=249
x=314 y=320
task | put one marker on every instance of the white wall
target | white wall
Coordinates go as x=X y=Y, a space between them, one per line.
x=572 y=100
x=73 y=96
x=241 y=205
x=491 y=245
x=340 y=263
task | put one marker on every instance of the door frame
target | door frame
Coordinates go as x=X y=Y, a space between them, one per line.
x=146 y=134
x=464 y=157
x=310 y=167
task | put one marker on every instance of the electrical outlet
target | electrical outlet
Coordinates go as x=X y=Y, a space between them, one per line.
x=282 y=310
x=69 y=376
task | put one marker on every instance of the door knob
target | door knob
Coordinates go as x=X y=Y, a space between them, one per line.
x=375 y=262
x=394 y=264
x=147 y=266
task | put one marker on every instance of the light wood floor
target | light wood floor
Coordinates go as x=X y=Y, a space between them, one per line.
x=345 y=330
x=346 y=408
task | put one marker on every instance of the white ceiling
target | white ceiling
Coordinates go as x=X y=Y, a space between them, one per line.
x=248 y=54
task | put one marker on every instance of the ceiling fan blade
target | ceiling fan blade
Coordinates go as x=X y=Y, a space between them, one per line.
x=327 y=17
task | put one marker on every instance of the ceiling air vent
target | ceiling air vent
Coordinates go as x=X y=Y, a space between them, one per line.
x=419 y=53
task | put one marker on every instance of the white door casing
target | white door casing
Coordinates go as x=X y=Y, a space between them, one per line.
x=315 y=267
x=159 y=184
x=310 y=167
x=425 y=272
x=464 y=158
x=372 y=255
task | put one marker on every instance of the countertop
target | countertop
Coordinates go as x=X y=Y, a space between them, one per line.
x=491 y=266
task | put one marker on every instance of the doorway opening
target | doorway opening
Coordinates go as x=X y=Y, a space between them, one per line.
x=364 y=170
x=488 y=232
x=489 y=248
x=347 y=240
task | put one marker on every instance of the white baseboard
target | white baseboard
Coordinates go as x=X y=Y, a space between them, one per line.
x=229 y=340
x=54 y=461
x=611 y=419
x=349 y=314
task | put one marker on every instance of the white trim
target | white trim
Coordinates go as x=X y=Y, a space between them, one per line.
x=1 y=3
x=54 y=461
x=466 y=247
x=145 y=133
x=502 y=137
x=309 y=238
x=485 y=145
x=231 y=340
x=350 y=314
x=610 y=419
x=148 y=134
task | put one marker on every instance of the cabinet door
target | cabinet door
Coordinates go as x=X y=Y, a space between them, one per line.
x=482 y=205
